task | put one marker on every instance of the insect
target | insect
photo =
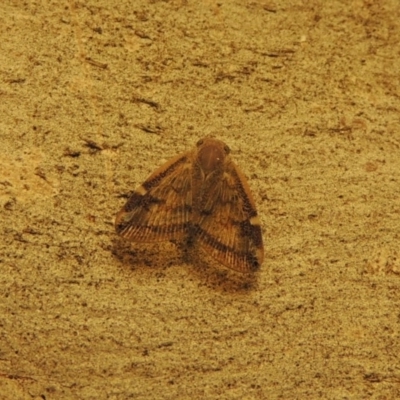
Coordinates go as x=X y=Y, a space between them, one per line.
x=202 y=197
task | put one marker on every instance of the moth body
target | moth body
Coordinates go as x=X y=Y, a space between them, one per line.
x=202 y=196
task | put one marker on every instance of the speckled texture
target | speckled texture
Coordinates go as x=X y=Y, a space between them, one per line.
x=95 y=96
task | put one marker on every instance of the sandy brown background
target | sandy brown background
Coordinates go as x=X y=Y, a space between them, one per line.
x=95 y=95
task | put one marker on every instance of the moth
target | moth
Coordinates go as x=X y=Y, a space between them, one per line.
x=200 y=197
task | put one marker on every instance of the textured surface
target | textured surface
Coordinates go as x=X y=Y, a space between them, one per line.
x=95 y=96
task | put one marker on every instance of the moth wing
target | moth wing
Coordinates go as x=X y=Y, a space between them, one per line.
x=160 y=208
x=227 y=226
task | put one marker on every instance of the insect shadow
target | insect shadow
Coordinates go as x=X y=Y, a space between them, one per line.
x=161 y=257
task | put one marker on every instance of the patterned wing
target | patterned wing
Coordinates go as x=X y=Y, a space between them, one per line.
x=226 y=223
x=160 y=208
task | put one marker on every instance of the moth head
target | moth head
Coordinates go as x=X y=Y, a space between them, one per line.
x=211 y=154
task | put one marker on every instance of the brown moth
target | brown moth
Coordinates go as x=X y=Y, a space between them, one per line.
x=200 y=196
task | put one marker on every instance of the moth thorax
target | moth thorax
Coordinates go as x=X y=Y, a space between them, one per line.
x=210 y=158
